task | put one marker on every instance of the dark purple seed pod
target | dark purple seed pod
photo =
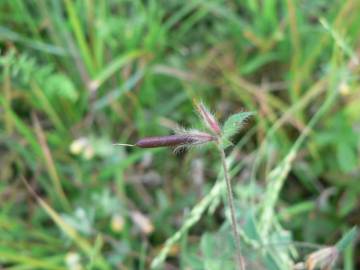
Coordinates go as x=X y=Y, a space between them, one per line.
x=163 y=141
x=190 y=138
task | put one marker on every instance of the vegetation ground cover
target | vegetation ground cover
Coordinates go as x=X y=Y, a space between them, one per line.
x=78 y=76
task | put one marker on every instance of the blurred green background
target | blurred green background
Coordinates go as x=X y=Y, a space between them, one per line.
x=77 y=76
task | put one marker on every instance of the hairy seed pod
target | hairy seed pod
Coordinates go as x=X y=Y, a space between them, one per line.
x=174 y=140
x=208 y=118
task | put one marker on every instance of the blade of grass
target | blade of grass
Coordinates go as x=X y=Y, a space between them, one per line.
x=114 y=66
x=69 y=231
x=7 y=34
x=7 y=100
x=50 y=165
x=14 y=257
x=80 y=36
x=277 y=176
x=47 y=106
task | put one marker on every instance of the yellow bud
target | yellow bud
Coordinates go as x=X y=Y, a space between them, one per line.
x=78 y=145
x=344 y=89
x=117 y=223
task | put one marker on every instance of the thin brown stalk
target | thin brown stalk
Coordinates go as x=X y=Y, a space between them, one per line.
x=50 y=164
x=232 y=210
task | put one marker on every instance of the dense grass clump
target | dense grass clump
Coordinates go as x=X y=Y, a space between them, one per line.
x=78 y=76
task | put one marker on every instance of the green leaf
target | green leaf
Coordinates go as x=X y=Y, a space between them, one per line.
x=59 y=85
x=217 y=251
x=346 y=156
x=233 y=124
x=346 y=240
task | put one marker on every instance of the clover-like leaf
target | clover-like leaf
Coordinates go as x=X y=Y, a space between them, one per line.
x=233 y=124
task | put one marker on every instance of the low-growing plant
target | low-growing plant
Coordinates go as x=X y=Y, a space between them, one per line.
x=216 y=134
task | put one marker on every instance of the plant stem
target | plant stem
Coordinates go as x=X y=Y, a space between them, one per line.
x=232 y=209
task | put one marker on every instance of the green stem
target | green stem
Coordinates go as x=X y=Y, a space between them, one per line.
x=232 y=209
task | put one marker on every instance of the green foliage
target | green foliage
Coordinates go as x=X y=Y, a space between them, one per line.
x=348 y=238
x=217 y=252
x=25 y=70
x=77 y=76
x=340 y=135
x=232 y=126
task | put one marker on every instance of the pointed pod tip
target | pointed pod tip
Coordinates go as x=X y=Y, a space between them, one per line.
x=123 y=144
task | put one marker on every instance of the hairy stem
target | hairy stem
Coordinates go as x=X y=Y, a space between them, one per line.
x=232 y=209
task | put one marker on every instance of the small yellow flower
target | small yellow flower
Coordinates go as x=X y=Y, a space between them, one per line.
x=117 y=223
x=78 y=145
x=344 y=89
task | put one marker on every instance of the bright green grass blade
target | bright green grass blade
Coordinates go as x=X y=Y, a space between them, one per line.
x=349 y=237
